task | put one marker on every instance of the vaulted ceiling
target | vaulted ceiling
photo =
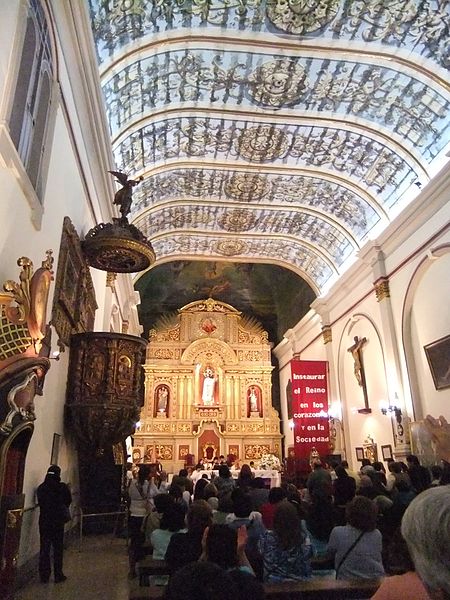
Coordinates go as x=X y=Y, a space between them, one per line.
x=280 y=131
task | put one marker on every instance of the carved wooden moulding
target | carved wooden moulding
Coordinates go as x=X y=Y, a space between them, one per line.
x=104 y=388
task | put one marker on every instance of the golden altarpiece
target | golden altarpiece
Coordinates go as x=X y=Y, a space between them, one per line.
x=207 y=388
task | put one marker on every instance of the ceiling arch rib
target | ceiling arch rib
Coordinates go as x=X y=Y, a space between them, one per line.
x=239 y=219
x=227 y=176
x=404 y=104
x=372 y=164
x=427 y=70
x=323 y=234
x=418 y=26
x=293 y=254
x=256 y=192
x=294 y=119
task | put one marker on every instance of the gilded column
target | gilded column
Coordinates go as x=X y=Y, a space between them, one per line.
x=237 y=397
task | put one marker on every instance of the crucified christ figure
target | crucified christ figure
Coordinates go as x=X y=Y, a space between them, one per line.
x=356 y=353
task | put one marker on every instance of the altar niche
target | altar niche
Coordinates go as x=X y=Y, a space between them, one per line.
x=209 y=386
x=254 y=403
x=161 y=401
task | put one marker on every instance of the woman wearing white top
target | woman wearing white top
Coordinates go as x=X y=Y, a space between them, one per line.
x=140 y=494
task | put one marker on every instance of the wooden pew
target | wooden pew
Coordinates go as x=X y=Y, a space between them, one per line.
x=149 y=566
x=322 y=589
x=315 y=589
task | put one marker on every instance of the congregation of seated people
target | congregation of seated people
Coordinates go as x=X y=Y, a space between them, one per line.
x=338 y=524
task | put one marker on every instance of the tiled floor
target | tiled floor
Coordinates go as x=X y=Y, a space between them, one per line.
x=98 y=572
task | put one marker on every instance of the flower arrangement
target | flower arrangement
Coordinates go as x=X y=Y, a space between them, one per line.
x=270 y=462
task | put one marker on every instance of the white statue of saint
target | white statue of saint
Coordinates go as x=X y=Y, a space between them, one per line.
x=253 y=400
x=209 y=383
x=163 y=395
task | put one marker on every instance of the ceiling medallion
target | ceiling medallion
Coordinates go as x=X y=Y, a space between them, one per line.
x=119 y=247
x=230 y=247
x=278 y=82
x=237 y=220
x=262 y=143
x=246 y=187
x=301 y=16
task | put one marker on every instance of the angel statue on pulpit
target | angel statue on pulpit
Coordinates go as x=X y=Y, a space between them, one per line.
x=209 y=384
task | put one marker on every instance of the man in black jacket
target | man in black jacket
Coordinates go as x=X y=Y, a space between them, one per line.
x=54 y=499
x=420 y=476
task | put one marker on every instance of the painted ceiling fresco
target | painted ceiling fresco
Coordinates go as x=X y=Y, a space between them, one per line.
x=276 y=297
x=286 y=132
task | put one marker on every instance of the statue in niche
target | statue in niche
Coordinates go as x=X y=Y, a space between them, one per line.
x=162 y=399
x=253 y=400
x=209 y=384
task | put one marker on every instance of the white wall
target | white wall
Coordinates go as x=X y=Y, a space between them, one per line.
x=396 y=328
x=430 y=321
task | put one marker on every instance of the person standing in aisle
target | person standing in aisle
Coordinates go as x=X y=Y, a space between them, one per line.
x=54 y=499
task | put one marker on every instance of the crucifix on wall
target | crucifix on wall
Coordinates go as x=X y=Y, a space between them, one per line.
x=359 y=370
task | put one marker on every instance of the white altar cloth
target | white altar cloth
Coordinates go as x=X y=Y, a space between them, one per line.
x=273 y=476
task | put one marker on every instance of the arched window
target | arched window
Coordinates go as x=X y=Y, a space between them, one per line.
x=28 y=122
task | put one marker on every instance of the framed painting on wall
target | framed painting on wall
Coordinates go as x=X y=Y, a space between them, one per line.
x=438 y=357
x=386 y=452
x=359 y=454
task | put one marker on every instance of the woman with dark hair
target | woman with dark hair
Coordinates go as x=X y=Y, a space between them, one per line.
x=344 y=489
x=199 y=489
x=244 y=481
x=210 y=495
x=379 y=468
x=276 y=495
x=226 y=547
x=187 y=547
x=153 y=519
x=320 y=520
x=286 y=551
x=356 y=547
x=224 y=482
x=172 y=522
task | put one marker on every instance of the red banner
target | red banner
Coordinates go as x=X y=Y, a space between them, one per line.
x=310 y=407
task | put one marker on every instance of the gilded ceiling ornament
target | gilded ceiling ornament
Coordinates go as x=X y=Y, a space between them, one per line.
x=247 y=187
x=237 y=220
x=301 y=16
x=230 y=247
x=262 y=143
x=278 y=82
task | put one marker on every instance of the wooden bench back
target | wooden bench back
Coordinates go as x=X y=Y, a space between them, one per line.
x=315 y=589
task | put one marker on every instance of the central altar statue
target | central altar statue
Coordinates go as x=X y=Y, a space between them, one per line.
x=207 y=388
x=209 y=383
